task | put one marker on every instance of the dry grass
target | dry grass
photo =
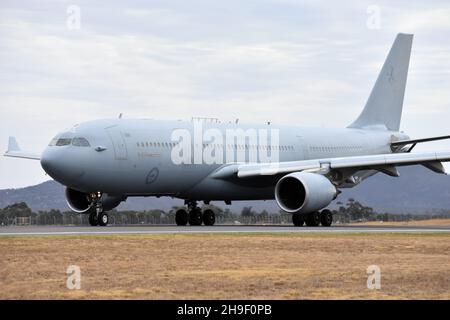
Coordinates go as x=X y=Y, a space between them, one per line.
x=219 y=266
x=430 y=222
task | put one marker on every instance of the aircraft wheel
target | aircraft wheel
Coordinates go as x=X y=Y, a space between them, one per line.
x=298 y=219
x=326 y=218
x=103 y=219
x=195 y=217
x=181 y=217
x=93 y=219
x=313 y=219
x=209 y=217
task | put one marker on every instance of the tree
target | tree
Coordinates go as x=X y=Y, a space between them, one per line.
x=247 y=212
x=20 y=209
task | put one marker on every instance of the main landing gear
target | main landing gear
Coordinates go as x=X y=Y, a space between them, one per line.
x=97 y=217
x=313 y=219
x=194 y=215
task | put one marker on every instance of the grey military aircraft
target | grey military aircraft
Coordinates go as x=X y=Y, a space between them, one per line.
x=104 y=162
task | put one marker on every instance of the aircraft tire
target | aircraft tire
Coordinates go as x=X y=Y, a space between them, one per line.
x=195 y=217
x=103 y=219
x=181 y=217
x=313 y=219
x=326 y=218
x=209 y=217
x=93 y=219
x=298 y=219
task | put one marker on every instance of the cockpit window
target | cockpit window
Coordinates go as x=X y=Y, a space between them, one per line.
x=63 y=142
x=80 y=142
x=53 y=142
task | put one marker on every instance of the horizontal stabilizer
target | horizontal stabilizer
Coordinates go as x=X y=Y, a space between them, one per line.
x=13 y=145
x=413 y=141
x=14 y=151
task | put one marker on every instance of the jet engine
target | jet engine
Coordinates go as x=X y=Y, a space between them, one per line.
x=304 y=192
x=82 y=202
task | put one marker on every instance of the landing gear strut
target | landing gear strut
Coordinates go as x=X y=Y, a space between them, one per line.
x=195 y=214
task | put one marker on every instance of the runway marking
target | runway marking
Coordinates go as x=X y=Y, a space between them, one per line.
x=218 y=231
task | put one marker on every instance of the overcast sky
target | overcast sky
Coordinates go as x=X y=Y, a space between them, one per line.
x=287 y=61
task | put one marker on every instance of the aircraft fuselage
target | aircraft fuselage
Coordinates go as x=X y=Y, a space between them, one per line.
x=135 y=157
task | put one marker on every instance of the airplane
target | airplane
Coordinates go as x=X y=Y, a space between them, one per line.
x=103 y=162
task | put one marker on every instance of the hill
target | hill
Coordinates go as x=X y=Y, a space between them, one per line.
x=417 y=190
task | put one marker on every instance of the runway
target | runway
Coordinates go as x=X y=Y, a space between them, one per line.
x=166 y=229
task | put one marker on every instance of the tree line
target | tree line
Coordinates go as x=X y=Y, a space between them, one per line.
x=352 y=211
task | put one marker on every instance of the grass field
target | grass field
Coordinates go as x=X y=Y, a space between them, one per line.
x=430 y=222
x=224 y=266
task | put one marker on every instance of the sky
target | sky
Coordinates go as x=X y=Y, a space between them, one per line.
x=292 y=62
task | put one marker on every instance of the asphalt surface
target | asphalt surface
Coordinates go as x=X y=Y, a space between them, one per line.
x=116 y=230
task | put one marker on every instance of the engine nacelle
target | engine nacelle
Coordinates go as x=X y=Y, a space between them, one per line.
x=110 y=202
x=304 y=192
x=78 y=201
x=82 y=202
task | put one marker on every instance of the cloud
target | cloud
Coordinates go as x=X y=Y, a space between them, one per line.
x=294 y=62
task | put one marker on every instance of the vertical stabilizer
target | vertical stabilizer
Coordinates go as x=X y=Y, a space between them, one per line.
x=385 y=103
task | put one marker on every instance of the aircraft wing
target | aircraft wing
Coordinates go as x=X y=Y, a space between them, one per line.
x=15 y=151
x=382 y=162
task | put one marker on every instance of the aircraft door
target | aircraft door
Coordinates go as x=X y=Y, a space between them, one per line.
x=302 y=148
x=118 y=141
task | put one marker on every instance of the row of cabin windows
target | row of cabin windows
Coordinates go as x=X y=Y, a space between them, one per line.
x=230 y=146
x=334 y=148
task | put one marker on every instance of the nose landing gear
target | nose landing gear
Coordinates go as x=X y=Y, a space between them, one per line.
x=97 y=217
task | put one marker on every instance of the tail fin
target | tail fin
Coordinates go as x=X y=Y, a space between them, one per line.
x=385 y=103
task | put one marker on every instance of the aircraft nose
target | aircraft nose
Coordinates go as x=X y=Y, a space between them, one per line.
x=48 y=162
x=60 y=166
